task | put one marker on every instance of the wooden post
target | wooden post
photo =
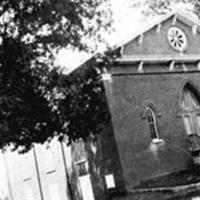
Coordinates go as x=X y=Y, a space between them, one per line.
x=7 y=175
x=38 y=174
x=68 y=187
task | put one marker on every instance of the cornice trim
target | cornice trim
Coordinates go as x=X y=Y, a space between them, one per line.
x=158 y=59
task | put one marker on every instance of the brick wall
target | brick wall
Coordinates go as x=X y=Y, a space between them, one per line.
x=128 y=95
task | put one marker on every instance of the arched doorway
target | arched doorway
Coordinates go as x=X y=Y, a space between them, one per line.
x=190 y=104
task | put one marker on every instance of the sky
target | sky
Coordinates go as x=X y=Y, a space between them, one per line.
x=127 y=20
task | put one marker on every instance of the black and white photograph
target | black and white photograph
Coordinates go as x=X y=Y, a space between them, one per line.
x=100 y=100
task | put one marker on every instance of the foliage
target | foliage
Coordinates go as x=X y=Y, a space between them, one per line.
x=82 y=105
x=84 y=108
x=161 y=7
x=196 y=7
x=36 y=101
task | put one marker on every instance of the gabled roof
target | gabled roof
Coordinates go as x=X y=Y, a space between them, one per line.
x=185 y=17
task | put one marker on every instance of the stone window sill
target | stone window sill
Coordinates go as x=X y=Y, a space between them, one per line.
x=157 y=141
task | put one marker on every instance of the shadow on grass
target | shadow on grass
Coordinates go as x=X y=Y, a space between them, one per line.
x=149 y=190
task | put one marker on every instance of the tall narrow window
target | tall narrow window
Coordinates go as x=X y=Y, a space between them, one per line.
x=188 y=124
x=190 y=105
x=80 y=158
x=152 y=123
x=191 y=111
x=82 y=167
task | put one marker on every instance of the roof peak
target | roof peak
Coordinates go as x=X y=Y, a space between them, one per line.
x=185 y=17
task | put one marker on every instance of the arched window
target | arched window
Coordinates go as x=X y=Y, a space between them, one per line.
x=191 y=110
x=152 y=123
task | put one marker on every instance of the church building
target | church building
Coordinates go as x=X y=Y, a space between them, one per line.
x=153 y=96
x=153 y=93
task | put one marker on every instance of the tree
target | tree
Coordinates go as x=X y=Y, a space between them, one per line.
x=83 y=108
x=161 y=7
x=36 y=100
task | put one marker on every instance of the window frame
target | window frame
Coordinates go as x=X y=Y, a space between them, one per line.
x=193 y=114
x=152 y=125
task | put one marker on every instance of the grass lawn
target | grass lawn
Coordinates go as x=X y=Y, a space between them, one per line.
x=160 y=196
x=176 y=179
x=184 y=185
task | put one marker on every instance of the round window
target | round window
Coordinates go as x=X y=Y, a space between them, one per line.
x=177 y=39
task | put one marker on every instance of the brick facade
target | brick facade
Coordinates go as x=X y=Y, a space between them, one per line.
x=151 y=73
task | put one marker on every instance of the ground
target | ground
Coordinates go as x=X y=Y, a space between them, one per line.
x=184 y=185
x=161 y=196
